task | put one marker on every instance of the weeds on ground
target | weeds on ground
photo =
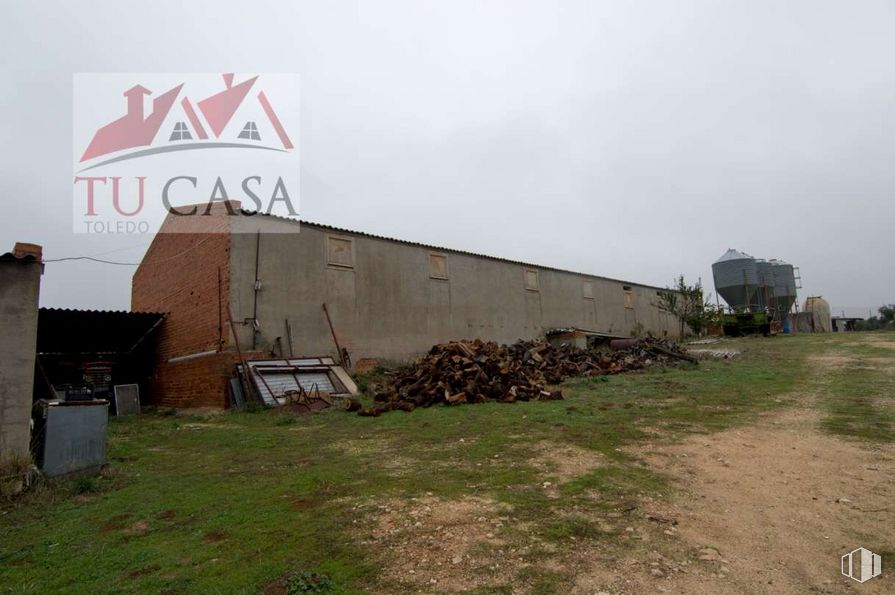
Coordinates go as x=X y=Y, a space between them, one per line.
x=308 y=582
x=860 y=403
x=15 y=474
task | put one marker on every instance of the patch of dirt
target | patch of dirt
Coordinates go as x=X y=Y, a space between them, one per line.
x=277 y=587
x=565 y=462
x=768 y=508
x=833 y=361
x=165 y=515
x=655 y=433
x=432 y=544
x=215 y=536
x=304 y=504
x=138 y=529
x=363 y=446
x=397 y=465
x=134 y=574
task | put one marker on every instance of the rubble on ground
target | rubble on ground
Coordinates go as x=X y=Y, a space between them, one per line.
x=714 y=353
x=478 y=371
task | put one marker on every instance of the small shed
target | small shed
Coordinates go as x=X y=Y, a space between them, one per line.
x=84 y=354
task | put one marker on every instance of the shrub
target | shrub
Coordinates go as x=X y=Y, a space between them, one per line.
x=308 y=582
x=86 y=485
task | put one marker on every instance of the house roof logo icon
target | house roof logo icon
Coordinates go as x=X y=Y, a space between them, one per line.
x=861 y=565
x=204 y=124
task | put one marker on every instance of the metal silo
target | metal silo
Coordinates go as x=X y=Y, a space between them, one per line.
x=736 y=279
x=765 y=292
x=784 y=285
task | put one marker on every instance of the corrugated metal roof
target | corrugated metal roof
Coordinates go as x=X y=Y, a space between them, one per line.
x=333 y=228
x=100 y=311
x=61 y=330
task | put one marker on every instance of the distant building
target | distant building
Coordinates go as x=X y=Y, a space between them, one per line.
x=845 y=323
x=816 y=316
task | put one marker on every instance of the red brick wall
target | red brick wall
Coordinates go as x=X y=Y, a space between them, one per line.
x=198 y=382
x=180 y=276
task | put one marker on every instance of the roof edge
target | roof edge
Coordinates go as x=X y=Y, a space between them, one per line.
x=327 y=227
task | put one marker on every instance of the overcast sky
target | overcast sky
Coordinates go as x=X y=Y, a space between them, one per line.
x=635 y=140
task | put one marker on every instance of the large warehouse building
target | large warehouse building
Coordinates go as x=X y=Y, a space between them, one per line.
x=386 y=299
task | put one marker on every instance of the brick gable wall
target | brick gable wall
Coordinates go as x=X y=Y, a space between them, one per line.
x=186 y=274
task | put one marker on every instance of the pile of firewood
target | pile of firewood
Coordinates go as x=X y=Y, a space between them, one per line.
x=478 y=371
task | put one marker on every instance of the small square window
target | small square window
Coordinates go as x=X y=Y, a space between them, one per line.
x=340 y=252
x=531 y=280
x=587 y=290
x=438 y=266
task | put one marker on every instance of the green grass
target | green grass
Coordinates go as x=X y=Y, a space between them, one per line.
x=229 y=503
x=858 y=396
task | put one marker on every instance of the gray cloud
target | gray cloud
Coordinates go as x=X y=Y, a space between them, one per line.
x=635 y=140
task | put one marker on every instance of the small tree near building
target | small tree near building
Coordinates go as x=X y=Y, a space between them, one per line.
x=887 y=315
x=685 y=302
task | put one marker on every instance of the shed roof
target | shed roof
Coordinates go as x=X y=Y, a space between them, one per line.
x=65 y=331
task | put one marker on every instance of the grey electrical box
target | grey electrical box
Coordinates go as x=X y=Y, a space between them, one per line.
x=71 y=436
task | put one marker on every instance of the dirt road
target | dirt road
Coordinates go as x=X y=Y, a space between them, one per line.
x=766 y=507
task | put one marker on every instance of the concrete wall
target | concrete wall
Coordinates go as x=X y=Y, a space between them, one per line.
x=387 y=305
x=20 y=273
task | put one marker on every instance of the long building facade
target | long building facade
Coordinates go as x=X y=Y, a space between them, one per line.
x=386 y=299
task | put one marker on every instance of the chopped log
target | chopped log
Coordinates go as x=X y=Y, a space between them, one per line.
x=478 y=371
x=455 y=399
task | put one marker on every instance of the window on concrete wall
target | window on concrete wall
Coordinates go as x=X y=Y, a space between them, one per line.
x=587 y=290
x=531 y=280
x=340 y=252
x=629 y=297
x=438 y=266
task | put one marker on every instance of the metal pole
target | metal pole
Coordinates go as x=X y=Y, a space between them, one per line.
x=333 y=331
x=242 y=360
x=289 y=337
